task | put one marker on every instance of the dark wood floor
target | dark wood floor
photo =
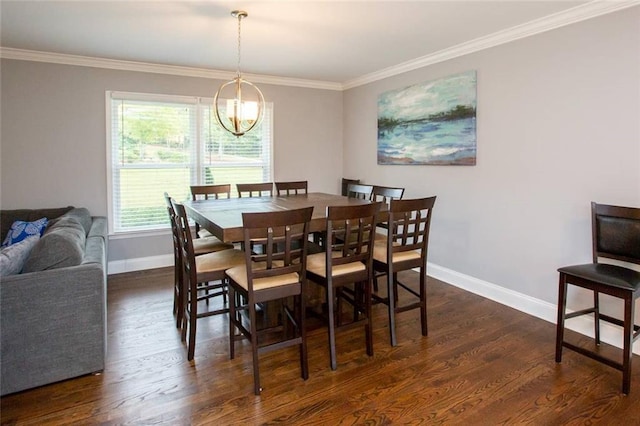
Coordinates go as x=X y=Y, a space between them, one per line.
x=482 y=363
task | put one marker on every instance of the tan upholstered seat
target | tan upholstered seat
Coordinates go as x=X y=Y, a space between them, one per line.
x=239 y=275
x=316 y=264
x=208 y=245
x=380 y=252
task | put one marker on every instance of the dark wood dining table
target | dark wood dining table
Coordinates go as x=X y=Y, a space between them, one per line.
x=223 y=217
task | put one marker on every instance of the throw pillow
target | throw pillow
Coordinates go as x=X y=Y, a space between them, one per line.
x=12 y=258
x=21 y=230
x=59 y=247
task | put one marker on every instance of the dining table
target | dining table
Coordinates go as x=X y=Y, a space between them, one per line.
x=223 y=217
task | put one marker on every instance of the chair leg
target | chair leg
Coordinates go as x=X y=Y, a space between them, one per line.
x=423 y=302
x=304 y=359
x=254 y=349
x=596 y=316
x=368 y=328
x=232 y=318
x=391 y=291
x=193 y=319
x=332 y=331
x=562 y=303
x=629 y=315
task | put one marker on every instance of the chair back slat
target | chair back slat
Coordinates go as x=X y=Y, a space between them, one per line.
x=616 y=232
x=255 y=189
x=410 y=221
x=350 y=234
x=210 y=191
x=386 y=194
x=356 y=190
x=291 y=188
x=284 y=236
x=345 y=185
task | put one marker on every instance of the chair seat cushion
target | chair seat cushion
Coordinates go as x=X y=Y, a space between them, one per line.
x=219 y=261
x=239 y=275
x=316 y=264
x=602 y=273
x=380 y=253
x=208 y=245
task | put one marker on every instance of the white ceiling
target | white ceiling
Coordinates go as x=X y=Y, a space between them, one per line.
x=329 y=41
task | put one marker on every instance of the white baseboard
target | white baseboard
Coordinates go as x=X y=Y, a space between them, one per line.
x=140 y=264
x=530 y=305
x=527 y=304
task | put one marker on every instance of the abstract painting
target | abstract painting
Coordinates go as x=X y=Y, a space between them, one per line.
x=431 y=123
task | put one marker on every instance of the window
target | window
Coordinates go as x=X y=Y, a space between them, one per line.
x=167 y=143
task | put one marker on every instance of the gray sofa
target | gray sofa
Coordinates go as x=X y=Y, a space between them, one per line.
x=53 y=314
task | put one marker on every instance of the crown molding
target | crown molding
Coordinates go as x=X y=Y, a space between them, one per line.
x=577 y=14
x=85 y=61
x=570 y=16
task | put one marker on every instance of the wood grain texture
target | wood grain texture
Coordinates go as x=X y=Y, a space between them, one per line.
x=482 y=363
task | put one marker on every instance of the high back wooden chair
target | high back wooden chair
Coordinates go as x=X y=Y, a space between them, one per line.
x=346 y=260
x=200 y=246
x=255 y=189
x=276 y=274
x=204 y=192
x=615 y=235
x=291 y=188
x=356 y=190
x=204 y=278
x=404 y=248
x=345 y=185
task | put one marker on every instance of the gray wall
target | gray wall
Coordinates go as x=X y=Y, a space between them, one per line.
x=53 y=138
x=557 y=126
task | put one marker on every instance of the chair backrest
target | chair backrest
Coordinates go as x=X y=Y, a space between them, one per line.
x=259 y=189
x=291 y=188
x=386 y=193
x=284 y=236
x=350 y=234
x=174 y=228
x=345 y=185
x=210 y=191
x=408 y=225
x=185 y=241
x=356 y=190
x=616 y=232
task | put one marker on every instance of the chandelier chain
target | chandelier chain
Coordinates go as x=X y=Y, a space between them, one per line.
x=239 y=32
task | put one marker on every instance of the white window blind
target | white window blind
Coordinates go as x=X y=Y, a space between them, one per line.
x=160 y=143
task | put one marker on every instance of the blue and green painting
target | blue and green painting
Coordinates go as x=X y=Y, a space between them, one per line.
x=430 y=123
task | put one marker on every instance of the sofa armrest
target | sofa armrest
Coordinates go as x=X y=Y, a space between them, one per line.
x=52 y=325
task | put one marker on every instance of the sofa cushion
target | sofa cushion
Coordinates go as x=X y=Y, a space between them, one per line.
x=13 y=257
x=80 y=214
x=21 y=229
x=62 y=245
x=7 y=217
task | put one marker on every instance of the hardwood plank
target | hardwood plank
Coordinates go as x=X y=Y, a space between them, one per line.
x=481 y=363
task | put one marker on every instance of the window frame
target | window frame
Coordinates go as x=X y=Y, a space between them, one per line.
x=196 y=165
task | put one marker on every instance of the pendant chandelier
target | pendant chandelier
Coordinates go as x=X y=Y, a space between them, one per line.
x=240 y=115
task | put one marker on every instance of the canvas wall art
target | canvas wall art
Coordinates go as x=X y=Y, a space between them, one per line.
x=431 y=123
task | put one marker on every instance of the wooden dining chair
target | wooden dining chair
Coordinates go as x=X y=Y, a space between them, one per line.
x=204 y=192
x=404 y=248
x=356 y=190
x=255 y=189
x=291 y=188
x=615 y=235
x=276 y=274
x=345 y=185
x=204 y=278
x=200 y=246
x=347 y=260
